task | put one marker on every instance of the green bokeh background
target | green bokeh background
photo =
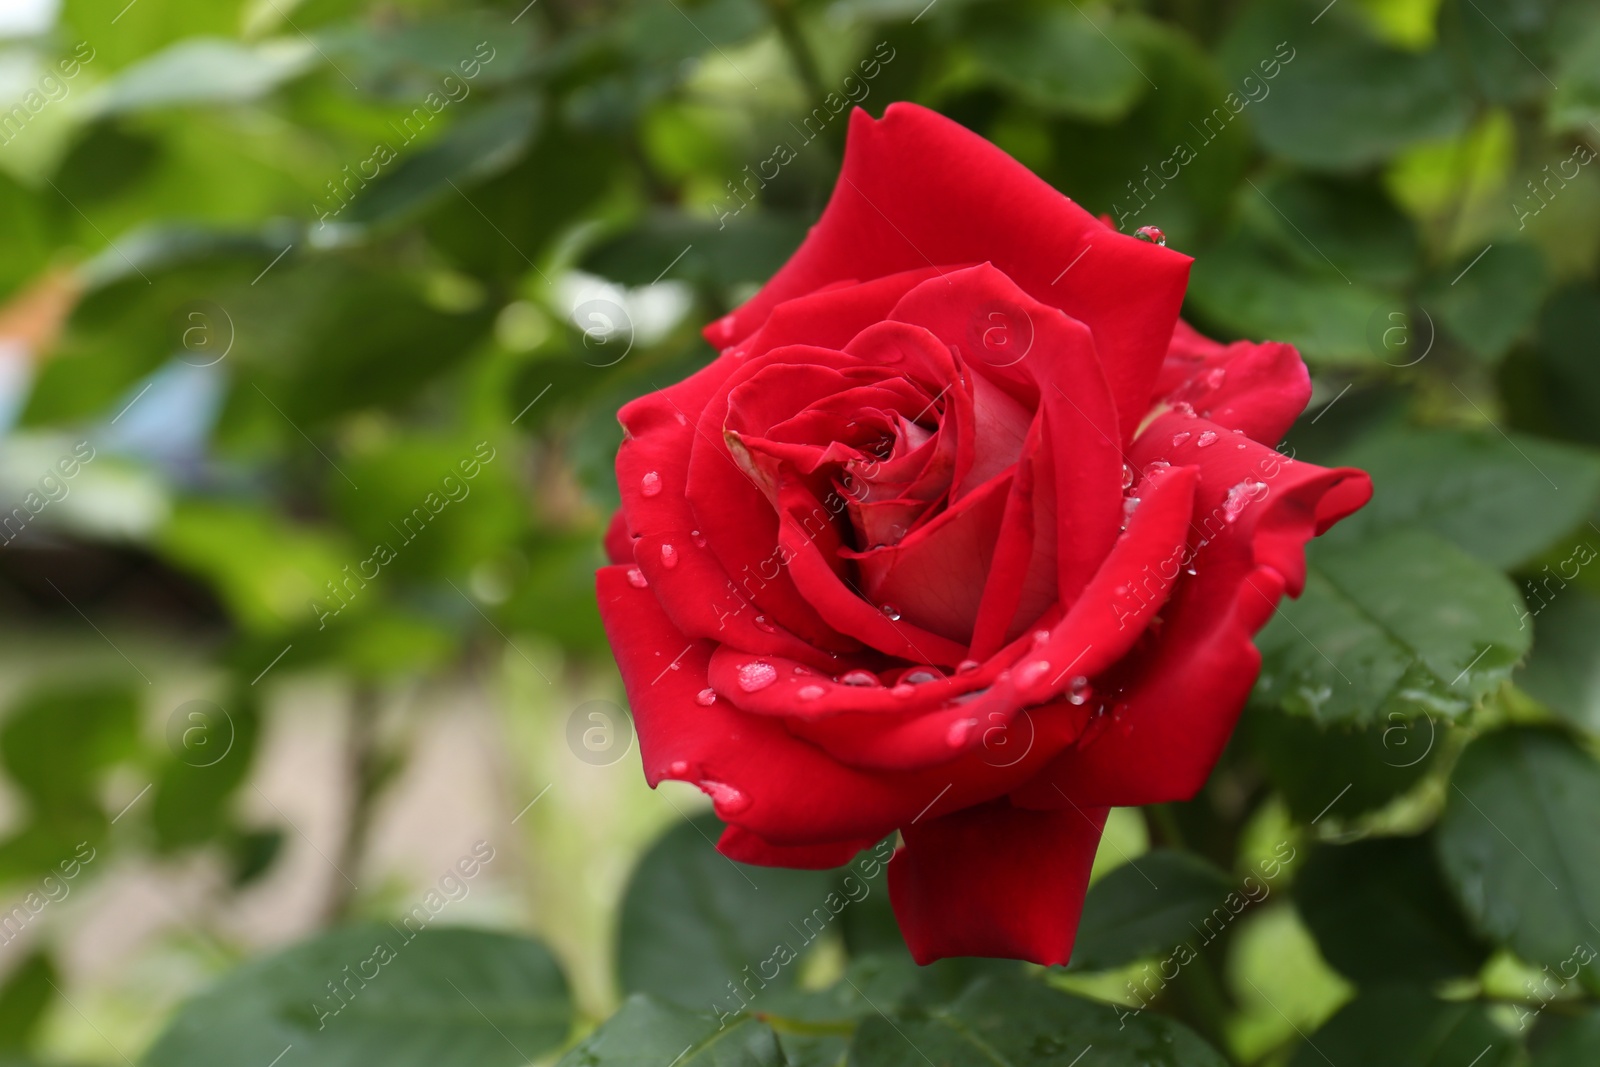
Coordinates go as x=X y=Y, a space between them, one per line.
x=284 y=281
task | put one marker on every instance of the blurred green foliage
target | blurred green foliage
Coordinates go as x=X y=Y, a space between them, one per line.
x=353 y=289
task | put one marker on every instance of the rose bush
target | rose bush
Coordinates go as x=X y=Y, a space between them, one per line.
x=963 y=534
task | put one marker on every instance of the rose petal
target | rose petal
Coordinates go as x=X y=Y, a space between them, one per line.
x=1258 y=388
x=740 y=844
x=892 y=211
x=995 y=881
x=1183 y=695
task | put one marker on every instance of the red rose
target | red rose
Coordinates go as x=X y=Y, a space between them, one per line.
x=963 y=534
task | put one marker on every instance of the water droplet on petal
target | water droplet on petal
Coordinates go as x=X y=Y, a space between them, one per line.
x=1239 y=498
x=1129 y=506
x=706 y=697
x=698 y=538
x=960 y=730
x=1214 y=377
x=1078 y=690
x=1152 y=234
x=1031 y=672
x=1242 y=446
x=724 y=796
x=669 y=556
x=637 y=579
x=1040 y=637
x=678 y=767
x=890 y=612
x=764 y=624
x=756 y=675
x=903 y=690
x=967 y=665
x=857 y=678
x=1180 y=438
x=1156 y=466
x=810 y=692
x=1127 y=476
x=650 y=484
x=1206 y=439
x=922 y=676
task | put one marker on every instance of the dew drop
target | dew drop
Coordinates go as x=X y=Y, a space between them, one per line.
x=698 y=538
x=637 y=579
x=922 y=676
x=960 y=730
x=810 y=692
x=1206 y=439
x=857 y=678
x=890 y=612
x=1127 y=476
x=1215 y=376
x=903 y=690
x=1129 y=506
x=1239 y=498
x=724 y=796
x=678 y=767
x=967 y=665
x=706 y=697
x=650 y=484
x=764 y=624
x=1078 y=691
x=669 y=556
x=1031 y=672
x=756 y=675
x=1040 y=637
x=1152 y=234
x=1180 y=438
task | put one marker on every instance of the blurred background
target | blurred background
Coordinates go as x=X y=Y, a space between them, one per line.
x=315 y=316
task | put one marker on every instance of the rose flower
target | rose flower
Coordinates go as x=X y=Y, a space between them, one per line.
x=962 y=534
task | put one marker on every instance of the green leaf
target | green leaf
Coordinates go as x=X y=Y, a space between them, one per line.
x=745 y=250
x=1490 y=304
x=1563 y=671
x=1502 y=499
x=1507 y=44
x=29 y=991
x=1146 y=907
x=1350 y=226
x=648 y=1033
x=203 y=70
x=1381 y=912
x=695 y=923
x=1174 y=161
x=1022 y=1022
x=1059 y=58
x=1346 y=100
x=479 y=146
x=1249 y=292
x=1573 y=1044
x=1405 y=1027
x=379 y=993
x=1340 y=770
x=1520 y=841
x=1403 y=624
x=1567 y=328
x=190 y=805
x=57 y=741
